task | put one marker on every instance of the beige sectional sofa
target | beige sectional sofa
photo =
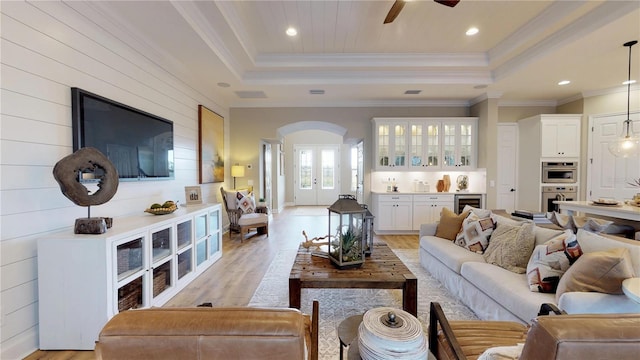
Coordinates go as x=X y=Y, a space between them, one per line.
x=495 y=293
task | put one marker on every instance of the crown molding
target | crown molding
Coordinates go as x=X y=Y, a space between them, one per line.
x=595 y=19
x=609 y=91
x=367 y=77
x=371 y=60
x=354 y=104
x=527 y=103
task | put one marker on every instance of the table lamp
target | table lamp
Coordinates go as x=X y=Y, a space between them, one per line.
x=237 y=171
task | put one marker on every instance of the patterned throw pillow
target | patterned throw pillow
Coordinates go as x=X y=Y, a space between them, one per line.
x=475 y=232
x=550 y=261
x=246 y=203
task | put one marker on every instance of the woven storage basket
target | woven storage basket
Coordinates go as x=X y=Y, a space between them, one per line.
x=159 y=283
x=130 y=299
x=183 y=267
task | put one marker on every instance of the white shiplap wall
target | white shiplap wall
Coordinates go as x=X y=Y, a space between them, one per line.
x=47 y=48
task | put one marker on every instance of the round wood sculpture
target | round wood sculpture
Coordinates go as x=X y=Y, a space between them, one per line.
x=68 y=170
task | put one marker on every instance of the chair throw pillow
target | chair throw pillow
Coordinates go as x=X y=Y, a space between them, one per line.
x=511 y=247
x=475 y=232
x=449 y=224
x=600 y=271
x=550 y=260
x=246 y=202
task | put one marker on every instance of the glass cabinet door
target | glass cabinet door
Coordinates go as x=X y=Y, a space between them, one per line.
x=384 y=137
x=449 y=144
x=129 y=258
x=201 y=239
x=185 y=265
x=400 y=145
x=465 y=148
x=183 y=234
x=161 y=244
x=432 y=144
x=416 y=145
x=215 y=231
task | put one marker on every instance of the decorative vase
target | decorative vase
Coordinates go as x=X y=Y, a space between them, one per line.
x=447 y=183
x=440 y=185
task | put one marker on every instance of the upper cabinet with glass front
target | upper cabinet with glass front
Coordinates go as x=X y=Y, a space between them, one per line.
x=391 y=144
x=425 y=143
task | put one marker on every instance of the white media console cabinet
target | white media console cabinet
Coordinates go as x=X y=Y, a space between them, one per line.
x=141 y=261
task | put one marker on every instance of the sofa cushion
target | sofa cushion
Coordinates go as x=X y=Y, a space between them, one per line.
x=451 y=255
x=511 y=247
x=508 y=289
x=449 y=224
x=475 y=233
x=577 y=302
x=599 y=271
x=549 y=261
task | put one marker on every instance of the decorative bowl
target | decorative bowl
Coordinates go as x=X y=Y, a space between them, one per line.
x=162 y=211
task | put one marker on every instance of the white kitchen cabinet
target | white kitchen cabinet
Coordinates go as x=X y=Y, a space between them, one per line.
x=560 y=137
x=427 y=208
x=391 y=139
x=141 y=261
x=425 y=143
x=393 y=212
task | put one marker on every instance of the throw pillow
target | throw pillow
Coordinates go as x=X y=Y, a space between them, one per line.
x=449 y=224
x=511 y=246
x=600 y=271
x=482 y=213
x=246 y=203
x=475 y=233
x=550 y=260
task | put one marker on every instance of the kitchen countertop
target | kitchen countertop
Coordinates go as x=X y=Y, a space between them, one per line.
x=622 y=211
x=425 y=193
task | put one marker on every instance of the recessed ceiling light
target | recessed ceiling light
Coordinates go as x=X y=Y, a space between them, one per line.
x=291 y=31
x=472 y=31
x=628 y=82
x=223 y=84
x=564 y=82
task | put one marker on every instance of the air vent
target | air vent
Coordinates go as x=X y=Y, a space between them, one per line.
x=316 y=92
x=412 y=92
x=251 y=94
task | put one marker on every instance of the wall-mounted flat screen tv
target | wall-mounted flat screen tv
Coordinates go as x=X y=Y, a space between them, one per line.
x=139 y=144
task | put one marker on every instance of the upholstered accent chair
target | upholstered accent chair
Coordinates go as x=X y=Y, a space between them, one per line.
x=241 y=209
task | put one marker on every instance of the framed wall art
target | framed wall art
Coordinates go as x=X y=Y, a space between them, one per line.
x=211 y=146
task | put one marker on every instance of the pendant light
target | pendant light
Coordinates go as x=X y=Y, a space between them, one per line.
x=628 y=143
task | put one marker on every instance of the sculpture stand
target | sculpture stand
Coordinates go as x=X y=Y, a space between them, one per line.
x=92 y=225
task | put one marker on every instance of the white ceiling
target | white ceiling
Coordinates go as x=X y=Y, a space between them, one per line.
x=521 y=52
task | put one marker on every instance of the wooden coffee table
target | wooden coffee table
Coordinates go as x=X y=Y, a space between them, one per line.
x=381 y=270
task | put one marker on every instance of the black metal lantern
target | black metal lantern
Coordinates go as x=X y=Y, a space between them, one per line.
x=346 y=228
x=368 y=231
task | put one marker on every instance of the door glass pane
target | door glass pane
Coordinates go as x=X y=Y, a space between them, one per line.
x=161 y=243
x=449 y=145
x=306 y=169
x=400 y=147
x=184 y=234
x=327 y=158
x=129 y=258
x=383 y=145
x=433 y=145
x=465 y=145
x=416 y=145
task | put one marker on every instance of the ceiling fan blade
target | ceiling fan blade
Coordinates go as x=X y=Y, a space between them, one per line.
x=394 y=11
x=449 y=3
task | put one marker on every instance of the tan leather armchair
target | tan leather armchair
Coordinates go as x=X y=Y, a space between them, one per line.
x=576 y=336
x=210 y=333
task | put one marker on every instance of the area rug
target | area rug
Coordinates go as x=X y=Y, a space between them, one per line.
x=338 y=304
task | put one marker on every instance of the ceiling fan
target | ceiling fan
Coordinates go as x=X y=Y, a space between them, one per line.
x=399 y=4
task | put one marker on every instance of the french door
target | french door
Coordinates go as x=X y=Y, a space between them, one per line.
x=316 y=174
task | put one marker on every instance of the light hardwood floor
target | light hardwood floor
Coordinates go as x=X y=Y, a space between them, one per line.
x=233 y=279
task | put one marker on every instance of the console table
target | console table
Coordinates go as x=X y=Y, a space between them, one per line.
x=141 y=261
x=382 y=270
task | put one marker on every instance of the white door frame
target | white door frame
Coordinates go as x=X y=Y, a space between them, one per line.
x=316 y=195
